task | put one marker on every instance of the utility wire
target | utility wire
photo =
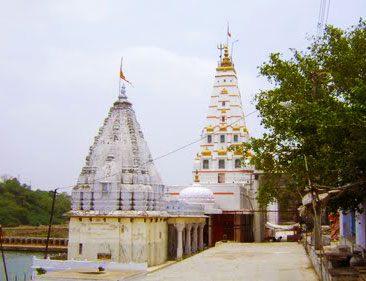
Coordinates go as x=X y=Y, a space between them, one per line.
x=326 y=19
x=323 y=16
x=164 y=155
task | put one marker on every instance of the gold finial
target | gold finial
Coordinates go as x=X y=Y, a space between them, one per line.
x=226 y=61
x=196 y=177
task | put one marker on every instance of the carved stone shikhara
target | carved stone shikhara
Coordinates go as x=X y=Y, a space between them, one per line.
x=119 y=173
x=119 y=211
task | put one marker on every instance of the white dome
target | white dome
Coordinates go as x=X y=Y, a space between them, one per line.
x=196 y=194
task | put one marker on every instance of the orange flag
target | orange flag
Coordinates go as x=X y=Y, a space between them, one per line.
x=121 y=75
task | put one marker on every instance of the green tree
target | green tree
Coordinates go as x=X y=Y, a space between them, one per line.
x=316 y=111
x=19 y=205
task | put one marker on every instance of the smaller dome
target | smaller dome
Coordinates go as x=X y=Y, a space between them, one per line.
x=197 y=194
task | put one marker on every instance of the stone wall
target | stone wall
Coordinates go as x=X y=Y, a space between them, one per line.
x=122 y=240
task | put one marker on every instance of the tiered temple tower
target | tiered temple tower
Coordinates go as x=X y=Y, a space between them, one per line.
x=119 y=210
x=225 y=126
x=119 y=173
x=232 y=182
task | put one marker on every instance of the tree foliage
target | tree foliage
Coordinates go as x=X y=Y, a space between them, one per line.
x=316 y=111
x=19 y=205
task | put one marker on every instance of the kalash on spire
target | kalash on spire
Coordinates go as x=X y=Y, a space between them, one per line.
x=225 y=63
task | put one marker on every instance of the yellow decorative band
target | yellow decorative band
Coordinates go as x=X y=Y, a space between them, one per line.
x=222 y=152
x=225 y=68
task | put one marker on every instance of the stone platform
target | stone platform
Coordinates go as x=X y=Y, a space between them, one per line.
x=118 y=275
x=242 y=261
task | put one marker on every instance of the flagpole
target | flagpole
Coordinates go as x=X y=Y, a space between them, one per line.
x=227 y=35
x=120 y=70
x=232 y=49
x=122 y=77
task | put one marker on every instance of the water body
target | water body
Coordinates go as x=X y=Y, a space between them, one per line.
x=18 y=265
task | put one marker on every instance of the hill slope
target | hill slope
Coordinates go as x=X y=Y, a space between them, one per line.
x=19 y=205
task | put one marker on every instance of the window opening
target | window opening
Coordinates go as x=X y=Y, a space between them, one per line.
x=222 y=138
x=221 y=164
x=221 y=178
x=80 y=248
x=81 y=200
x=92 y=201
x=237 y=163
x=236 y=138
x=209 y=138
x=206 y=164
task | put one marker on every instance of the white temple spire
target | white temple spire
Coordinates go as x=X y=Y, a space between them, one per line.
x=225 y=127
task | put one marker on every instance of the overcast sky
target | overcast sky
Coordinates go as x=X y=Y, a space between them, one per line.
x=59 y=71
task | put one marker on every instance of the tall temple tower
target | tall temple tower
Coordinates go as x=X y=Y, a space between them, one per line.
x=232 y=183
x=225 y=126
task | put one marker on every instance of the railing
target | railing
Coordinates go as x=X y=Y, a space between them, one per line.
x=9 y=240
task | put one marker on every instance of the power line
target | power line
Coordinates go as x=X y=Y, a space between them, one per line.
x=164 y=155
x=323 y=16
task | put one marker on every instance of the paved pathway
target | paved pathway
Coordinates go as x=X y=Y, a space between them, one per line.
x=242 y=261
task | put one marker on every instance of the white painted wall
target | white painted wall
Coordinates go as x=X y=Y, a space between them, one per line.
x=272 y=215
x=128 y=240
